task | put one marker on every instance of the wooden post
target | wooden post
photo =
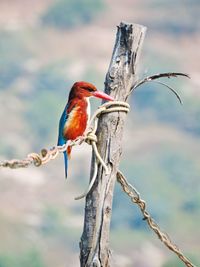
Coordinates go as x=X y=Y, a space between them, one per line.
x=121 y=76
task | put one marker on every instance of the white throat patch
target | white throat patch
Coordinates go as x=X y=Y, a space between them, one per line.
x=88 y=109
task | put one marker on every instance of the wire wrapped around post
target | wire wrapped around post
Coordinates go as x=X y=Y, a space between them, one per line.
x=91 y=139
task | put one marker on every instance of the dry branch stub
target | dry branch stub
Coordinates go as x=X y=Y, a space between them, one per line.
x=121 y=75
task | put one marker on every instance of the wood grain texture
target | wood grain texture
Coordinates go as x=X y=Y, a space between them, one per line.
x=121 y=76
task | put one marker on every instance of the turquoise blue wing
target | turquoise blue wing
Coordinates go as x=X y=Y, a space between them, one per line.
x=61 y=139
x=63 y=119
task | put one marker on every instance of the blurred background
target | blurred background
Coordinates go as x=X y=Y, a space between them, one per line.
x=44 y=47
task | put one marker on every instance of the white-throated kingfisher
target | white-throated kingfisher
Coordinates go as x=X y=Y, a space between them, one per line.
x=74 y=120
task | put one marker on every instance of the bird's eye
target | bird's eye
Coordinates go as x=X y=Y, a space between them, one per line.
x=88 y=89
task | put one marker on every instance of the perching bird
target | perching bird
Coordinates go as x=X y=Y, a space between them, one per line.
x=75 y=117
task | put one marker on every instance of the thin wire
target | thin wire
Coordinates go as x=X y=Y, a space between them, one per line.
x=92 y=138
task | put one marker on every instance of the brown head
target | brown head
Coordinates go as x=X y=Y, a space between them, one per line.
x=85 y=89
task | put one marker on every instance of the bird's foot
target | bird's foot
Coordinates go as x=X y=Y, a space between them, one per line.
x=79 y=140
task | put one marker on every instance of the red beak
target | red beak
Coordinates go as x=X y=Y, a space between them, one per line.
x=102 y=95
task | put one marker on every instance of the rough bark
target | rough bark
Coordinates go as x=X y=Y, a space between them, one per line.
x=121 y=75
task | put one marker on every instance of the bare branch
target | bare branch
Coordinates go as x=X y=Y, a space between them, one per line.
x=162 y=75
x=158 y=76
x=170 y=88
x=154 y=77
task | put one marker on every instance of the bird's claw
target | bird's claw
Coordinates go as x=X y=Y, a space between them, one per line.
x=79 y=140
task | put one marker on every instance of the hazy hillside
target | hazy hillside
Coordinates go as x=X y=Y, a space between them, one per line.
x=44 y=47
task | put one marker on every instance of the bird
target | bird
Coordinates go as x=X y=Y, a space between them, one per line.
x=75 y=117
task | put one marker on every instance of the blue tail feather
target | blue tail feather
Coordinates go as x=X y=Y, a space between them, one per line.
x=66 y=163
x=61 y=139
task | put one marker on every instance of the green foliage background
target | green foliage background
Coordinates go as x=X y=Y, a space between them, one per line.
x=70 y=13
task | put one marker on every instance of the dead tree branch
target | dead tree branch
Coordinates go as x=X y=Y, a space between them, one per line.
x=121 y=76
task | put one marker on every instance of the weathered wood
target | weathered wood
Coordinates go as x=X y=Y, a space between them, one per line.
x=121 y=75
